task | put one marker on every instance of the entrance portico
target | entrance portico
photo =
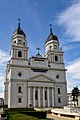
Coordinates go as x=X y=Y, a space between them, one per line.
x=35 y=99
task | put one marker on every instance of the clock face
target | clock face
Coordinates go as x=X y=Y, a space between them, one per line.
x=55 y=46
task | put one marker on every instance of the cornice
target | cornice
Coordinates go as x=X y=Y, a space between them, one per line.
x=35 y=67
x=26 y=81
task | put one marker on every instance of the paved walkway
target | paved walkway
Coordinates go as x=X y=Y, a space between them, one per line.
x=55 y=117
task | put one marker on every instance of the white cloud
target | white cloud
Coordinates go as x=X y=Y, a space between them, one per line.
x=70 y=47
x=73 y=74
x=70 y=19
x=2 y=79
x=74 y=69
x=1 y=95
x=4 y=57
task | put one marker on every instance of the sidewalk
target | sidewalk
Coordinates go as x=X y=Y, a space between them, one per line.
x=55 y=117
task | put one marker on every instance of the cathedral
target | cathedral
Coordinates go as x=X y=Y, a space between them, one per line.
x=36 y=81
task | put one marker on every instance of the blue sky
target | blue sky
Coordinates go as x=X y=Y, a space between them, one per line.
x=36 y=15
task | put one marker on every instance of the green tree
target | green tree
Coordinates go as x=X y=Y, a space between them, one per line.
x=75 y=93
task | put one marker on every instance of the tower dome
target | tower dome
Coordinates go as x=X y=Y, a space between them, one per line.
x=19 y=31
x=51 y=36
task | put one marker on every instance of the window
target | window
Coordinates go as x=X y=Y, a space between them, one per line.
x=58 y=90
x=19 y=100
x=56 y=58
x=19 y=74
x=19 y=54
x=45 y=95
x=19 y=89
x=55 y=46
x=36 y=95
x=59 y=100
x=57 y=76
x=14 y=41
x=20 y=41
x=50 y=47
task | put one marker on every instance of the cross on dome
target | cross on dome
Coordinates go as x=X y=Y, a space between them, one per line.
x=19 y=22
x=50 y=28
x=38 y=50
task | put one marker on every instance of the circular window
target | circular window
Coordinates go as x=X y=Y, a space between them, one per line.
x=19 y=74
x=57 y=76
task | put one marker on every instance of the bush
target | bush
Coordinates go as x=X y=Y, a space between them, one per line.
x=40 y=115
x=24 y=114
x=5 y=106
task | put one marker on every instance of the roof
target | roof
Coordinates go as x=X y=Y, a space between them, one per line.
x=51 y=36
x=19 y=31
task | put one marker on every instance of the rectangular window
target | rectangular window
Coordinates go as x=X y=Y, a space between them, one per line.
x=19 y=100
x=19 y=89
x=59 y=100
x=58 y=90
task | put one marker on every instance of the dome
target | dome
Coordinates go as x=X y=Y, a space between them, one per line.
x=51 y=36
x=19 y=31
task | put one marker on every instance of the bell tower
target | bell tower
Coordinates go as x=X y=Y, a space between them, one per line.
x=19 y=48
x=52 y=48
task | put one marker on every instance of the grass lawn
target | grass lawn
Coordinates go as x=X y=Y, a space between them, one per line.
x=21 y=114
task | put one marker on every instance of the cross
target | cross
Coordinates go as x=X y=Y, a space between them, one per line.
x=19 y=23
x=19 y=19
x=50 y=28
x=38 y=49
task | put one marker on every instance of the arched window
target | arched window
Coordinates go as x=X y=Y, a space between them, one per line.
x=50 y=47
x=55 y=46
x=59 y=100
x=56 y=58
x=45 y=95
x=20 y=41
x=36 y=95
x=19 y=89
x=59 y=92
x=19 y=54
x=19 y=100
x=14 y=41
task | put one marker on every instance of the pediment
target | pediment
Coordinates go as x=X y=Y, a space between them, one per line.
x=41 y=78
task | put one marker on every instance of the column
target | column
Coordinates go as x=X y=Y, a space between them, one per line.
x=48 y=97
x=38 y=96
x=52 y=97
x=33 y=96
x=43 y=97
x=25 y=54
x=12 y=53
x=28 y=96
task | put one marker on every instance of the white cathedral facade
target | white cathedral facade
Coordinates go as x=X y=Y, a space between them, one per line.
x=37 y=81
